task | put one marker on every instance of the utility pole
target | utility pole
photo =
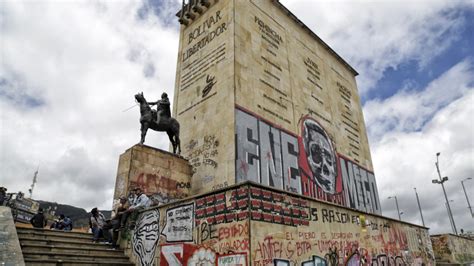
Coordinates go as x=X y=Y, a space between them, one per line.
x=396 y=203
x=441 y=181
x=419 y=207
x=449 y=212
x=468 y=204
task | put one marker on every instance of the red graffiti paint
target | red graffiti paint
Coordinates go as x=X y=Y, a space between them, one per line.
x=186 y=254
x=233 y=246
x=176 y=254
x=235 y=230
x=154 y=183
x=271 y=248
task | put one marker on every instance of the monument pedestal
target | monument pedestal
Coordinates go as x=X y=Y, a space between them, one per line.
x=162 y=176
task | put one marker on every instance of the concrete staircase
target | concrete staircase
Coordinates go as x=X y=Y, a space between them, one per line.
x=50 y=247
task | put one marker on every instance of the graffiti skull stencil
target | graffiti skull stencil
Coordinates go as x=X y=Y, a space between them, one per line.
x=321 y=155
x=146 y=236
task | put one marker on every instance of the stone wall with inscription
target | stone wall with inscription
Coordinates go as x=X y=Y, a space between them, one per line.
x=299 y=122
x=284 y=74
x=249 y=224
x=204 y=96
x=261 y=98
x=262 y=70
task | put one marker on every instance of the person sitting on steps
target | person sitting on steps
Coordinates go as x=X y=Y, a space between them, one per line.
x=38 y=220
x=114 y=223
x=66 y=223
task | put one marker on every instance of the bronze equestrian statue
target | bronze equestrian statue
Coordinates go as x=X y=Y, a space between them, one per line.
x=159 y=120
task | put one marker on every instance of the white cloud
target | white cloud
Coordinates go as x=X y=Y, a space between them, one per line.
x=81 y=63
x=409 y=110
x=437 y=119
x=376 y=35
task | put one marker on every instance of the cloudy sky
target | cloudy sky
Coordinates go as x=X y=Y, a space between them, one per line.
x=68 y=70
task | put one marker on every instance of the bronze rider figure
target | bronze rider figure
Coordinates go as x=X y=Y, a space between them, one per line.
x=163 y=112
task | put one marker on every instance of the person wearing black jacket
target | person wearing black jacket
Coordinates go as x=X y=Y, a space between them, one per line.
x=38 y=220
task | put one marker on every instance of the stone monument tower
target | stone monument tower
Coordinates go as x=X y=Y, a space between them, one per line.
x=264 y=99
x=277 y=167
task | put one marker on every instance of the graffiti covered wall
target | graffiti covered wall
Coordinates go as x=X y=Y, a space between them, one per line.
x=306 y=164
x=453 y=249
x=254 y=225
x=209 y=230
x=316 y=233
x=161 y=175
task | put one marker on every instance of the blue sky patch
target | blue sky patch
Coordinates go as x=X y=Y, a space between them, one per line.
x=16 y=96
x=159 y=8
x=408 y=75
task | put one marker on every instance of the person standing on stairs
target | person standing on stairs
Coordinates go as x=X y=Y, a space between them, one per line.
x=97 y=225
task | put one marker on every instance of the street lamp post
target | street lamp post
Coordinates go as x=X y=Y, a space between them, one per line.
x=450 y=221
x=396 y=203
x=468 y=204
x=419 y=206
x=441 y=181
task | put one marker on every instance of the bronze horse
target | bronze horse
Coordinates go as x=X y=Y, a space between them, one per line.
x=148 y=120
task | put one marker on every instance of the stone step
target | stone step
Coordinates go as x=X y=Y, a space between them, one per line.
x=54 y=236
x=66 y=256
x=54 y=262
x=71 y=250
x=52 y=247
x=25 y=229
x=37 y=231
x=67 y=243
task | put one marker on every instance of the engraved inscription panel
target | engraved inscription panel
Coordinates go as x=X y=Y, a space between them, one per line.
x=264 y=73
x=204 y=85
